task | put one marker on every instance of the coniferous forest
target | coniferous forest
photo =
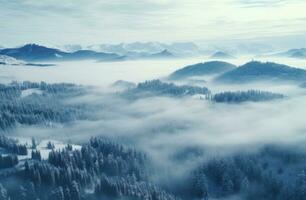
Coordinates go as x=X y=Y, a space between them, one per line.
x=101 y=167
x=152 y=100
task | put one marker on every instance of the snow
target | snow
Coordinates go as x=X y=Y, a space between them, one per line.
x=28 y=92
x=42 y=147
x=10 y=60
x=44 y=151
x=58 y=56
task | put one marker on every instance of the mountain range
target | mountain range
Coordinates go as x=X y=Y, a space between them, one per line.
x=147 y=48
x=36 y=53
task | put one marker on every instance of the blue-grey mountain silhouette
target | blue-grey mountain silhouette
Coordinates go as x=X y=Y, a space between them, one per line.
x=221 y=55
x=163 y=54
x=201 y=69
x=259 y=71
x=34 y=52
x=293 y=53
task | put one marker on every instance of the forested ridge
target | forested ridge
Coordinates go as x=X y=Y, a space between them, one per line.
x=104 y=168
x=29 y=103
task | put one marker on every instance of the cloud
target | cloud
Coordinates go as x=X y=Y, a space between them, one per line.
x=165 y=127
x=261 y=3
x=56 y=22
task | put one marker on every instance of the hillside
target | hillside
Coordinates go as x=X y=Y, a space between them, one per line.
x=200 y=69
x=159 y=88
x=259 y=71
x=33 y=52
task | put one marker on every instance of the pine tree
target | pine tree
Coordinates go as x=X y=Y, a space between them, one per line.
x=301 y=186
x=200 y=186
x=57 y=194
x=3 y=193
x=75 y=191
x=227 y=184
x=22 y=194
x=245 y=184
x=67 y=194
x=34 y=145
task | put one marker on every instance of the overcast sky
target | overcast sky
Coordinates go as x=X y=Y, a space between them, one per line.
x=114 y=21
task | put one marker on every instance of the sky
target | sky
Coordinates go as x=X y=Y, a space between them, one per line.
x=103 y=21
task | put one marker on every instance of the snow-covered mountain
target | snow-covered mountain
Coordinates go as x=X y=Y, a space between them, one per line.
x=178 y=49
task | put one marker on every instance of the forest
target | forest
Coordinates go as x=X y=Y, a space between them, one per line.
x=107 y=169
x=29 y=103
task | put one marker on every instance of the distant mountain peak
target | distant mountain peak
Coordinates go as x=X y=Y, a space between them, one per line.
x=222 y=55
x=32 y=46
x=166 y=52
x=201 y=69
x=163 y=54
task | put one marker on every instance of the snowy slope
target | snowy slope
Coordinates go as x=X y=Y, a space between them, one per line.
x=42 y=147
x=7 y=60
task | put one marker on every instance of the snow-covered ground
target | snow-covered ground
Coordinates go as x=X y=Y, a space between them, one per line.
x=42 y=147
x=28 y=92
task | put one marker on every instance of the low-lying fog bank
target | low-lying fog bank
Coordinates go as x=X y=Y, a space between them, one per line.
x=105 y=73
x=178 y=133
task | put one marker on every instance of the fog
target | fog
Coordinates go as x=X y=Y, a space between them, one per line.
x=105 y=73
x=165 y=127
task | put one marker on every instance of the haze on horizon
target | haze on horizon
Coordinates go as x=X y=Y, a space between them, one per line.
x=55 y=22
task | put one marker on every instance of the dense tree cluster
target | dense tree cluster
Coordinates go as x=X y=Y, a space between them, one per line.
x=38 y=103
x=157 y=87
x=253 y=176
x=11 y=146
x=102 y=169
x=8 y=161
x=243 y=96
x=112 y=171
x=35 y=155
x=3 y=193
x=50 y=145
x=130 y=187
